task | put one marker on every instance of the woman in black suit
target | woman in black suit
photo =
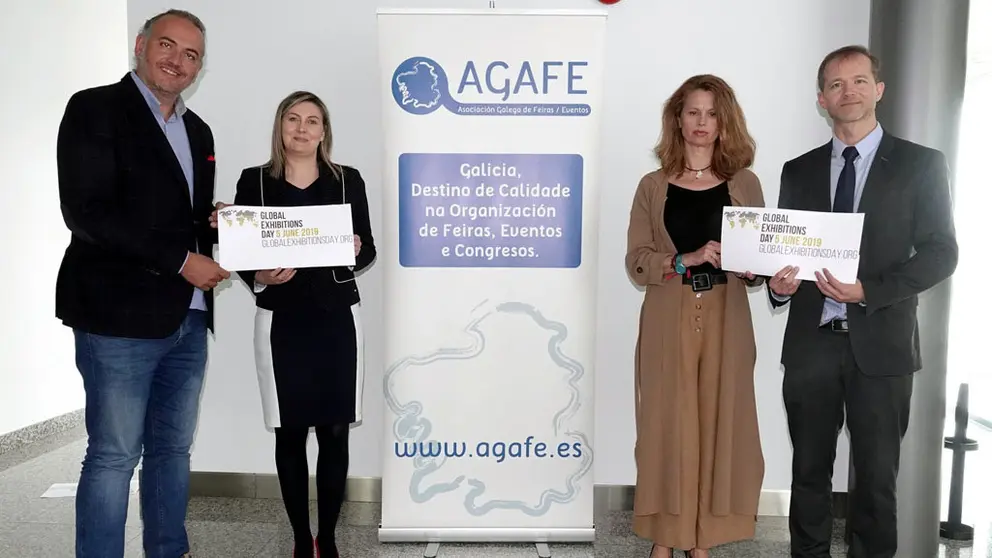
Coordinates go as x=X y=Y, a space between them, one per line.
x=308 y=334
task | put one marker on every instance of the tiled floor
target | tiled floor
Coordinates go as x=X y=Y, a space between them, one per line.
x=31 y=526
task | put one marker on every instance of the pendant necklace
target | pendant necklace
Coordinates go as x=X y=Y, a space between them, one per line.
x=699 y=172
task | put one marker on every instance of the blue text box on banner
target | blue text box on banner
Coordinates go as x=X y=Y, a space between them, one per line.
x=490 y=210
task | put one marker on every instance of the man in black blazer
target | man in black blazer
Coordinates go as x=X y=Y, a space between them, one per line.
x=852 y=349
x=136 y=180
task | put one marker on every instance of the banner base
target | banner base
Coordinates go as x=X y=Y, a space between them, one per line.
x=486 y=535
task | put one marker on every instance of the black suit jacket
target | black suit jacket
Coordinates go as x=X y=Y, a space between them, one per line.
x=326 y=287
x=908 y=245
x=126 y=201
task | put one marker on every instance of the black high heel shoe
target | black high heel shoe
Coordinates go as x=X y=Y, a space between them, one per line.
x=331 y=552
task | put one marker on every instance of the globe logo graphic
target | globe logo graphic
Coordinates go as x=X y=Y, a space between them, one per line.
x=419 y=85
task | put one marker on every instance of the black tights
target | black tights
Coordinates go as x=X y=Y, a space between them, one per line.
x=294 y=480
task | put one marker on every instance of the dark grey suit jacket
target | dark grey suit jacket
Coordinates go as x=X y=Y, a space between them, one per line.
x=908 y=245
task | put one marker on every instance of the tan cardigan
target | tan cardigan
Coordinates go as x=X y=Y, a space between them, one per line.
x=739 y=465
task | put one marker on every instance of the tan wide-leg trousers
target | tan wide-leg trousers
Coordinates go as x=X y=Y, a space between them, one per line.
x=701 y=341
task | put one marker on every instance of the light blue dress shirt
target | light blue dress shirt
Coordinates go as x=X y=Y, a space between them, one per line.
x=175 y=131
x=867 y=147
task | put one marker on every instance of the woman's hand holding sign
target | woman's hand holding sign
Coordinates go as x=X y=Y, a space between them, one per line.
x=276 y=276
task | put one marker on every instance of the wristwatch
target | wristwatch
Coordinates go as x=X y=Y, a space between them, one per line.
x=678 y=265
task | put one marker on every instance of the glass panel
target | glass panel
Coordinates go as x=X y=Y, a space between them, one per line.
x=971 y=306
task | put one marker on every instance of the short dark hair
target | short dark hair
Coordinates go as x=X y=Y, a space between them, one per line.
x=845 y=52
x=147 y=27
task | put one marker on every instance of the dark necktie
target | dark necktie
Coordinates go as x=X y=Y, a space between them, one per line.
x=844 y=198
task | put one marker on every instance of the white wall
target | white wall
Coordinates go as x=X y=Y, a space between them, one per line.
x=51 y=48
x=262 y=53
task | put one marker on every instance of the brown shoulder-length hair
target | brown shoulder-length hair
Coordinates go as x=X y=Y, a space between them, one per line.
x=277 y=158
x=734 y=148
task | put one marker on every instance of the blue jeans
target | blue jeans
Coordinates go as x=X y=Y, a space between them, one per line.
x=142 y=397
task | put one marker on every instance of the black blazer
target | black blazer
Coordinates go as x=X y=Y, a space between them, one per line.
x=327 y=287
x=908 y=245
x=125 y=200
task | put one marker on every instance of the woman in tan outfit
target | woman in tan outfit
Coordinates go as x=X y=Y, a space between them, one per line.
x=698 y=453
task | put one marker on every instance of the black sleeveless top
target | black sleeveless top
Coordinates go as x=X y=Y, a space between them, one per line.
x=695 y=217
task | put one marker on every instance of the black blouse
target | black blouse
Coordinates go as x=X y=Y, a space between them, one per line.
x=695 y=217
x=325 y=287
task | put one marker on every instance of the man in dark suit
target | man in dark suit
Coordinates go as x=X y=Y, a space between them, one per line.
x=136 y=180
x=852 y=349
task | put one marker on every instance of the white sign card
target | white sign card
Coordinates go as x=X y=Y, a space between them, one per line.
x=256 y=237
x=763 y=241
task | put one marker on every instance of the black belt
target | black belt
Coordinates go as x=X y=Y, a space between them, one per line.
x=704 y=281
x=837 y=326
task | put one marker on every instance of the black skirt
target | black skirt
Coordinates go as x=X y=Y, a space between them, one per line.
x=310 y=366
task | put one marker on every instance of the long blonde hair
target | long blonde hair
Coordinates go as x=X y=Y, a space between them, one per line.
x=277 y=158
